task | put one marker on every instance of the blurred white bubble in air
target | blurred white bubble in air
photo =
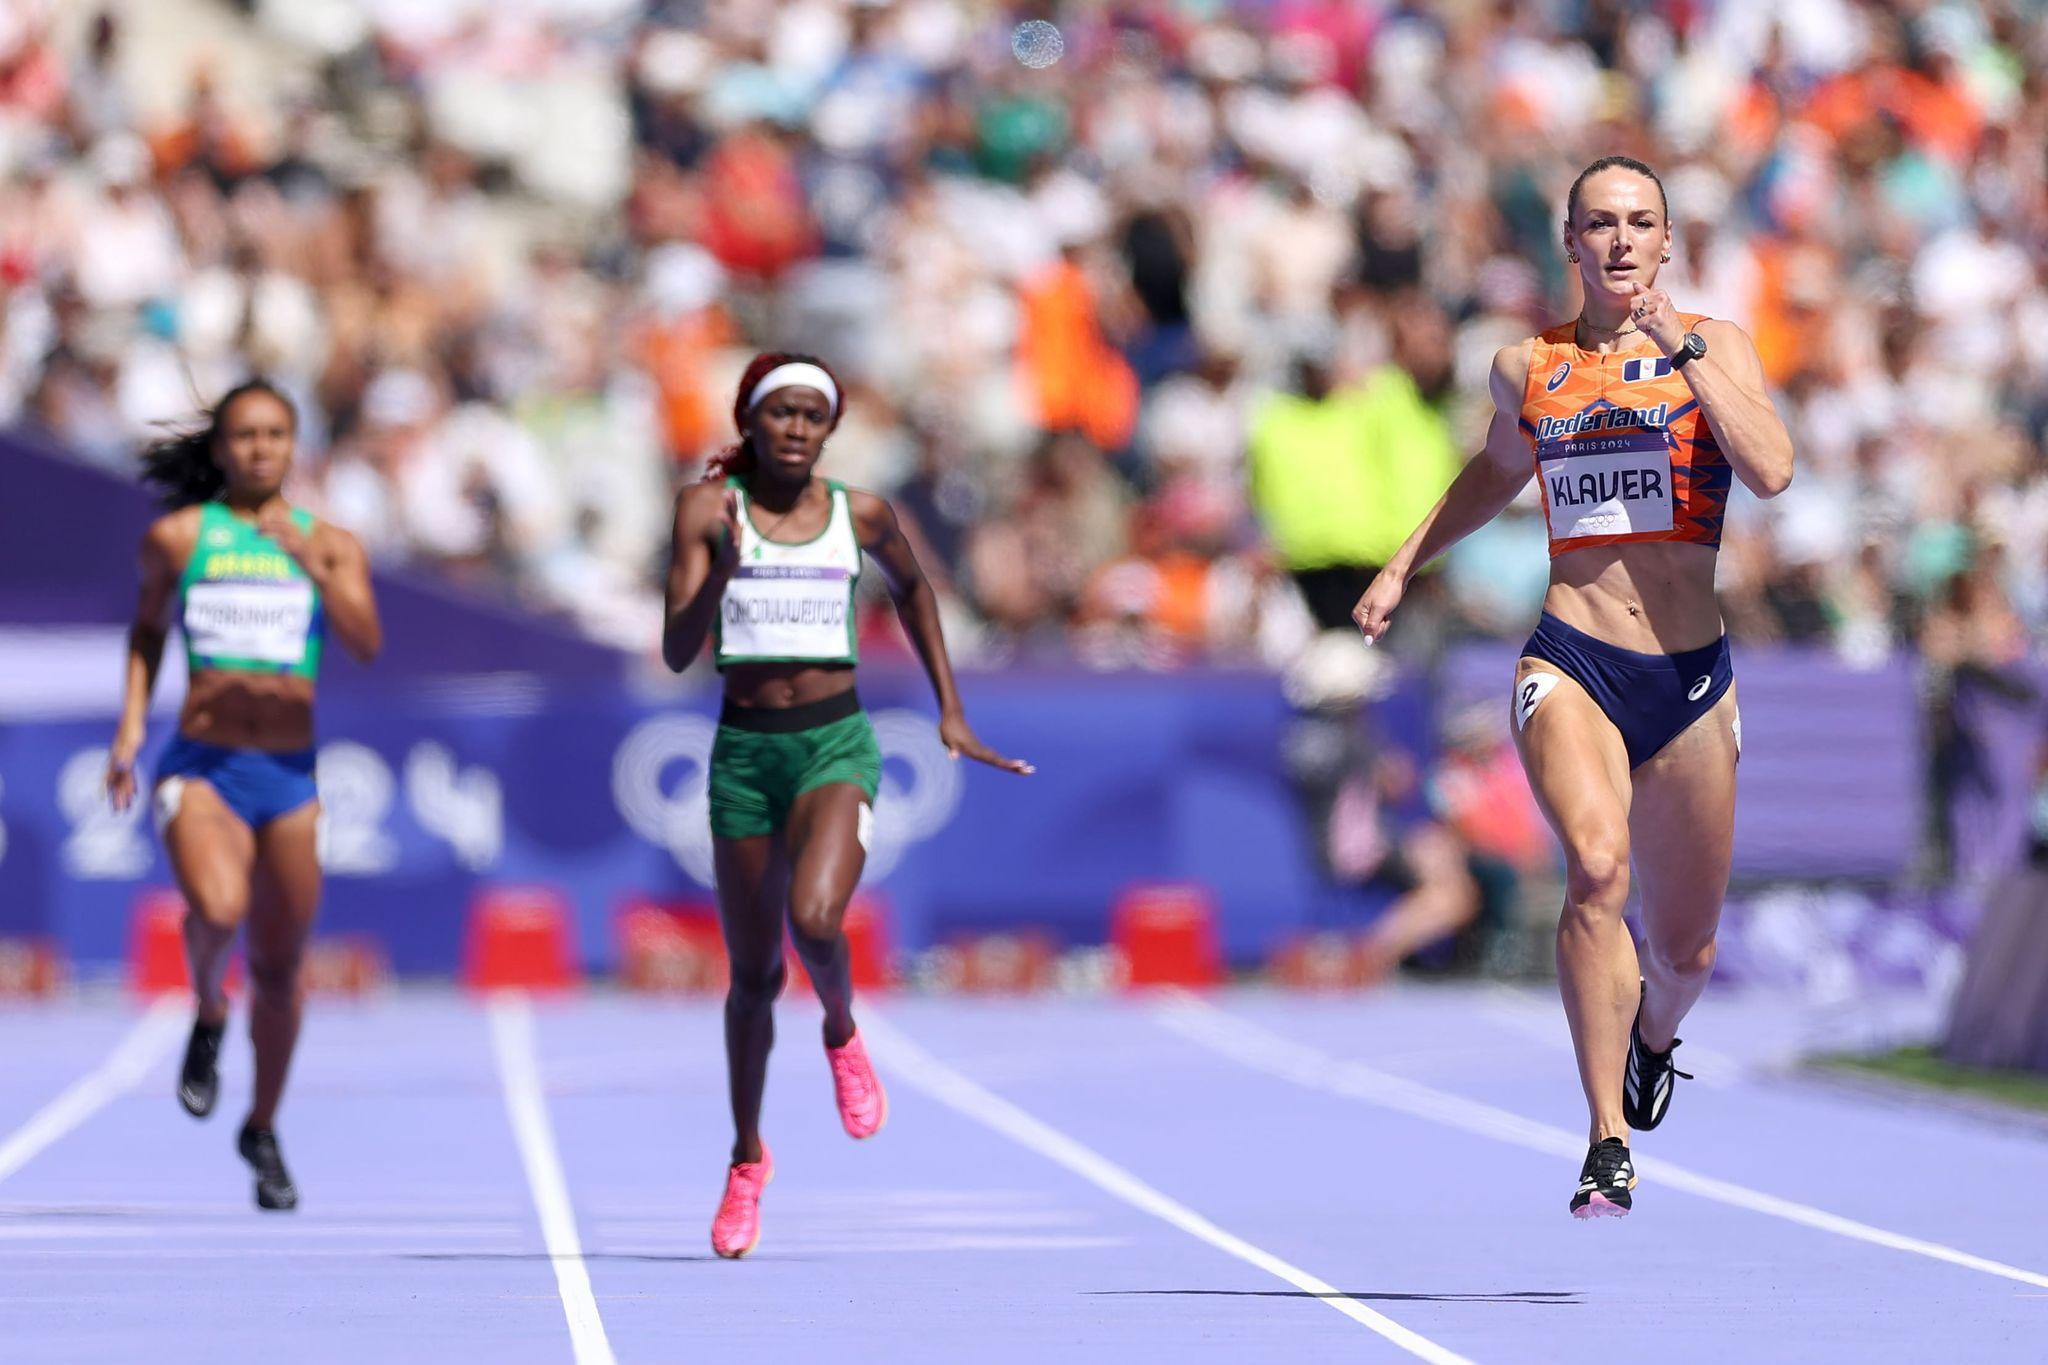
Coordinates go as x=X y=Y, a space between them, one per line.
x=1037 y=43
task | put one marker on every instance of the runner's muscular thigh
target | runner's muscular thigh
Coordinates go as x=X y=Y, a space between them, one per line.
x=1575 y=759
x=288 y=851
x=210 y=849
x=1684 y=812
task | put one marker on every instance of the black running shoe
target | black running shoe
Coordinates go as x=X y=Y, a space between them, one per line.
x=1647 y=1080
x=199 y=1079
x=1605 y=1181
x=274 y=1188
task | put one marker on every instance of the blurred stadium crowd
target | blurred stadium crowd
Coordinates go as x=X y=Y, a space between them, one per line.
x=1160 y=346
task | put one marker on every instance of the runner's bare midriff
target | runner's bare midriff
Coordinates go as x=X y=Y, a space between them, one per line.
x=273 y=713
x=777 y=686
x=1651 y=597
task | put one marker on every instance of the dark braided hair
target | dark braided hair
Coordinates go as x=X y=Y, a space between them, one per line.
x=1613 y=163
x=181 y=463
x=738 y=458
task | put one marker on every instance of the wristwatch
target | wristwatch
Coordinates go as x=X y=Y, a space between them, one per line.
x=1692 y=348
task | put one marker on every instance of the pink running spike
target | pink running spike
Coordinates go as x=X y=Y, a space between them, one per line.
x=1599 y=1206
x=863 y=1105
x=737 y=1228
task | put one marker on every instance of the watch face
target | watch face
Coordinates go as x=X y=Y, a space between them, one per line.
x=1695 y=344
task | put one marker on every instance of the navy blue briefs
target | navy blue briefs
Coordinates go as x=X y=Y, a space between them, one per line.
x=1651 y=698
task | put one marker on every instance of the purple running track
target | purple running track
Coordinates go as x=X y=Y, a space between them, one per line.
x=1246 y=1176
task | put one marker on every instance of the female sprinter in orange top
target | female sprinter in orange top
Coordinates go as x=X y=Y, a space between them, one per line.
x=765 y=561
x=256 y=586
x=1637 y=416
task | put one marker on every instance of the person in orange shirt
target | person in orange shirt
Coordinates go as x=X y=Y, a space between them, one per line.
x=1074 y=380
x=1635 y=419
x=676 y=353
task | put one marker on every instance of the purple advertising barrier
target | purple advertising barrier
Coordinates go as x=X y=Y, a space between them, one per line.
x=434 y=792
x=428 y=798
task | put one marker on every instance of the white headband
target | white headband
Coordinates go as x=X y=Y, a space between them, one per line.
x=793 y=375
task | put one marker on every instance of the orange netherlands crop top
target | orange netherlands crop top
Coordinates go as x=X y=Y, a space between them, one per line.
x=1623 y=453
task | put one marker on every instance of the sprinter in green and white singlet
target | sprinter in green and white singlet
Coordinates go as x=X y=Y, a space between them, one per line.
x=766 y=560
x=791 y=603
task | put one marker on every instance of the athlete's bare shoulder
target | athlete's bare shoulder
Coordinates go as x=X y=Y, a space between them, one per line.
x=172 y=537
x=337 y=543
x=1510 y=375
x=873 y=517
x=700 y=506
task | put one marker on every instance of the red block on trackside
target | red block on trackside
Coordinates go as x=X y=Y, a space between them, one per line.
x=156 y=946
x=1165 y=933
x=671 y=947
x=867 y=943
x=999 y=964
x=1327 y=961
x=30 y=968
x=350 y=965
x=518 y=938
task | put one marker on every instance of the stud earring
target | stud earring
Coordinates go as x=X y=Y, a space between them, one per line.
x=1665 y=260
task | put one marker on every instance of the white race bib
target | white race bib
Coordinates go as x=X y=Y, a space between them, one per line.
x=785 y=612
x=1609 y=486
x=262 y=622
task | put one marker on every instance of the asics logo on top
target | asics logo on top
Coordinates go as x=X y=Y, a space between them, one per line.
x=1699 y=689
x=1558 y=377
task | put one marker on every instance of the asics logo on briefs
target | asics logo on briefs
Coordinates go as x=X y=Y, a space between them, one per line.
x=1557 y=378
x=1699 y=689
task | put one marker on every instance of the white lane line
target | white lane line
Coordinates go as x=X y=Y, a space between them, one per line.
x=511 y=1016
x=928 y=1074
x=1254 y=1046
x=139 y=1050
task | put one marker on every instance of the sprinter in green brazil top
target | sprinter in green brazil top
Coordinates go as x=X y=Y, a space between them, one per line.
x=245 y=604
x=766 y=559
x=256 y=585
